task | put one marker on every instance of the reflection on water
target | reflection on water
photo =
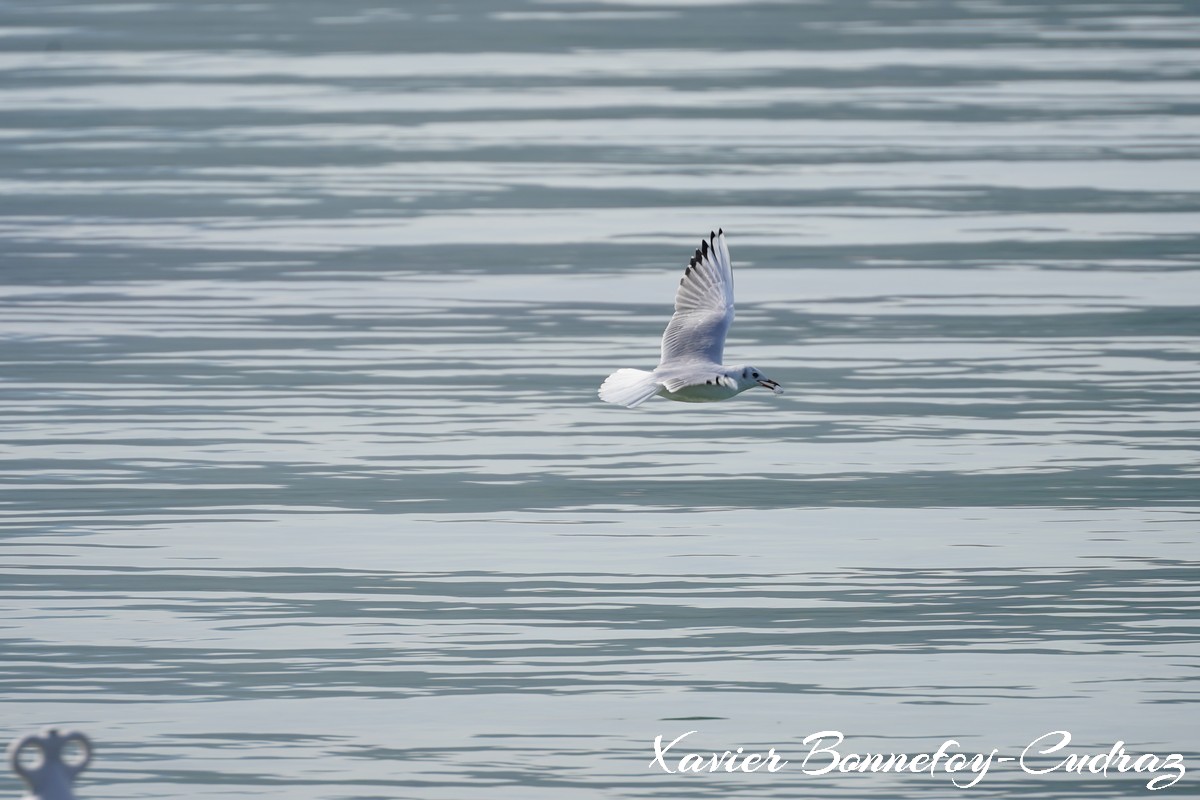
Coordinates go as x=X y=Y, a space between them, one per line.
x=306 y=487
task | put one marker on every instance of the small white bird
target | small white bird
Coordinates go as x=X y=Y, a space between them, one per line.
x=693 y=344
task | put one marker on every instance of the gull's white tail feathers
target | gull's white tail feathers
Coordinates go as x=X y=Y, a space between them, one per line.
x=629 y=387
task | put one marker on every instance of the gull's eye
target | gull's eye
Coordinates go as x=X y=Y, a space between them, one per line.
x=756 y=374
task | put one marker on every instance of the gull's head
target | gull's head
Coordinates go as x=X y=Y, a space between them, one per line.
x=748 y=377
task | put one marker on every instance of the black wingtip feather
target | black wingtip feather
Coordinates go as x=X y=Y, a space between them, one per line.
x=704 y=246
x=720 y=231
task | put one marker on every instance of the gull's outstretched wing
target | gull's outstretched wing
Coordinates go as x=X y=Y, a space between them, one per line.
x=703 y=306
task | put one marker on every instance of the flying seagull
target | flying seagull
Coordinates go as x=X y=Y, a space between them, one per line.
x=693 y=344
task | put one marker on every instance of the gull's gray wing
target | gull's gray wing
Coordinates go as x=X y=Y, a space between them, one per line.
x=703 y=306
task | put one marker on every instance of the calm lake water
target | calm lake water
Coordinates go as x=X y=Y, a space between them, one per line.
x=306 y=489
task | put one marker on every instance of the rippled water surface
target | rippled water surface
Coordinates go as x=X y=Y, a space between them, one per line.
x=306 y=489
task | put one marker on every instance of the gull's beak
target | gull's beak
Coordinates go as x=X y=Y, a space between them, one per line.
x=767 y=383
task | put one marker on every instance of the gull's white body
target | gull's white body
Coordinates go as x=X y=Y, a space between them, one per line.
x=693 y=345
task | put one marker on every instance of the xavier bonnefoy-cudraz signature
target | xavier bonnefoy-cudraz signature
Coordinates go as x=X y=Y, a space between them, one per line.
x=826 y=753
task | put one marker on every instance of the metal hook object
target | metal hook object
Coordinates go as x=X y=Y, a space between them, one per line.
x=52 y=778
